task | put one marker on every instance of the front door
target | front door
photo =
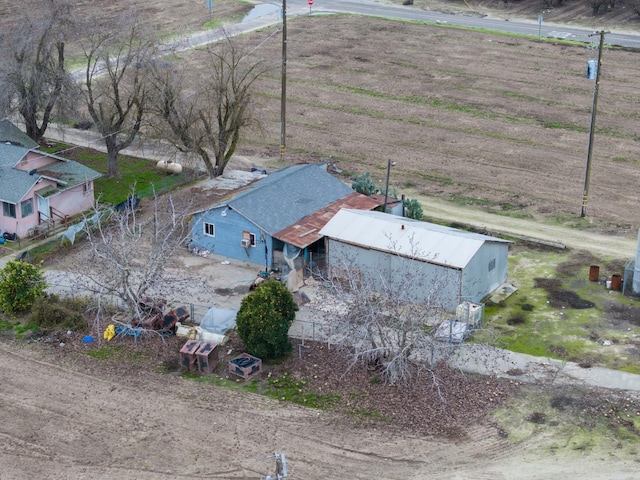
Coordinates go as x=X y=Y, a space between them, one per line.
x=43 y=208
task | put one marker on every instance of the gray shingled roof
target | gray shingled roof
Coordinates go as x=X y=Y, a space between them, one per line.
x=70 y=172
x=12 y=134
x=14 y=183
x=288 y=195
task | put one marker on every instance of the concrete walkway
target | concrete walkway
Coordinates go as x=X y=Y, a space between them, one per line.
x=487 y=360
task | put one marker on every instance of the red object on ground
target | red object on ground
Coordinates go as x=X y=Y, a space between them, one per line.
x=207 y=356
x=245 y=365
x=188 y=359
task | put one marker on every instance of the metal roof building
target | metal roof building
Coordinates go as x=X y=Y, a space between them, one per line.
x=424 y=261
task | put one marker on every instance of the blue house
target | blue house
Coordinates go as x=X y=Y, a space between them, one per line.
x=275 y=221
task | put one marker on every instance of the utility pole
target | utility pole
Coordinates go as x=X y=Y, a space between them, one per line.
x=594 y=107
x=283 y=95
x=386 y=189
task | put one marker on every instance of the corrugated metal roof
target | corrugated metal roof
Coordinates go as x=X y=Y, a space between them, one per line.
x=307 y=231
x=403 y=236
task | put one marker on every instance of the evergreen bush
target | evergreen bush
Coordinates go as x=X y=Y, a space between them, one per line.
x=364 y=184
x=264 y=319
x=20 y=284
x=413 y=209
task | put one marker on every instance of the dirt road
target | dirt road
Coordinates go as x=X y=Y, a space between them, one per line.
x=614 y=246
x=81 y=422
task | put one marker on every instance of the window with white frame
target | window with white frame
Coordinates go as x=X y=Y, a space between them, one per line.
x=26 y=207
x=248 y=239
x=9 y=209
x=87 y=187
x=209 y=229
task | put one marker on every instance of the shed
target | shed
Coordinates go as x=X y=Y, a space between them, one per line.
x=428 y=262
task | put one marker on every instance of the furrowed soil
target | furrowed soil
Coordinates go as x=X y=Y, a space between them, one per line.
x=481 y=119
x=497 y=122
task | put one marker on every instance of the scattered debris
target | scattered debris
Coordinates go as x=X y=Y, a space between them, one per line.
x=163 y=322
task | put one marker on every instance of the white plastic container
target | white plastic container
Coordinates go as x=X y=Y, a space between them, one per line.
x=206 y=336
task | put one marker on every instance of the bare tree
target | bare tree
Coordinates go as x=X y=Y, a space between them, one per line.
x=206 y=113
x=33 y=78
x=128 y=252
x=634 y=5
x=385 y=325
x=115 y=90
x=549 y=3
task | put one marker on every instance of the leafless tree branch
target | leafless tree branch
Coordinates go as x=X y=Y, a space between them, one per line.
x=207 y=119
x=33 y=78
x=115 y=89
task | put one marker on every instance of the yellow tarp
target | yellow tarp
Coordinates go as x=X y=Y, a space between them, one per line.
x=110 y=332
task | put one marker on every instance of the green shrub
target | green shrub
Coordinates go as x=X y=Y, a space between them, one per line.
x=52 y=312
x=20 y=284
x=413 y=209
x=364 y=184
x=264 y=319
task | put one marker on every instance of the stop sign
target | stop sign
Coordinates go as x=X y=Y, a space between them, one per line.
x=310 y=2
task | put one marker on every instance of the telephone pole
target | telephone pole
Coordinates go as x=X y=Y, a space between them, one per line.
x=283 y=95
x=594 y=108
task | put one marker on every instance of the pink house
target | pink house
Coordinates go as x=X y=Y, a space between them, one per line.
x=38 y=189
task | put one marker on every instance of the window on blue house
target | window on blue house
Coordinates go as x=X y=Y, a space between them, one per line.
x=209 y=229
x=248 y=239
x=492 y=264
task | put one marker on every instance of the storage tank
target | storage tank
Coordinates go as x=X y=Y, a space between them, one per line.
x=169 y=166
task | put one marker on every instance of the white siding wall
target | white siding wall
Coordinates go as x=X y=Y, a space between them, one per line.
x=478 y=280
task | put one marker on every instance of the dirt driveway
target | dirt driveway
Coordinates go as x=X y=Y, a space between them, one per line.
x=62 y=421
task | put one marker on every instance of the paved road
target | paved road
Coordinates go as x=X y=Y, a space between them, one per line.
x=372 y=8
x=269 y=14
